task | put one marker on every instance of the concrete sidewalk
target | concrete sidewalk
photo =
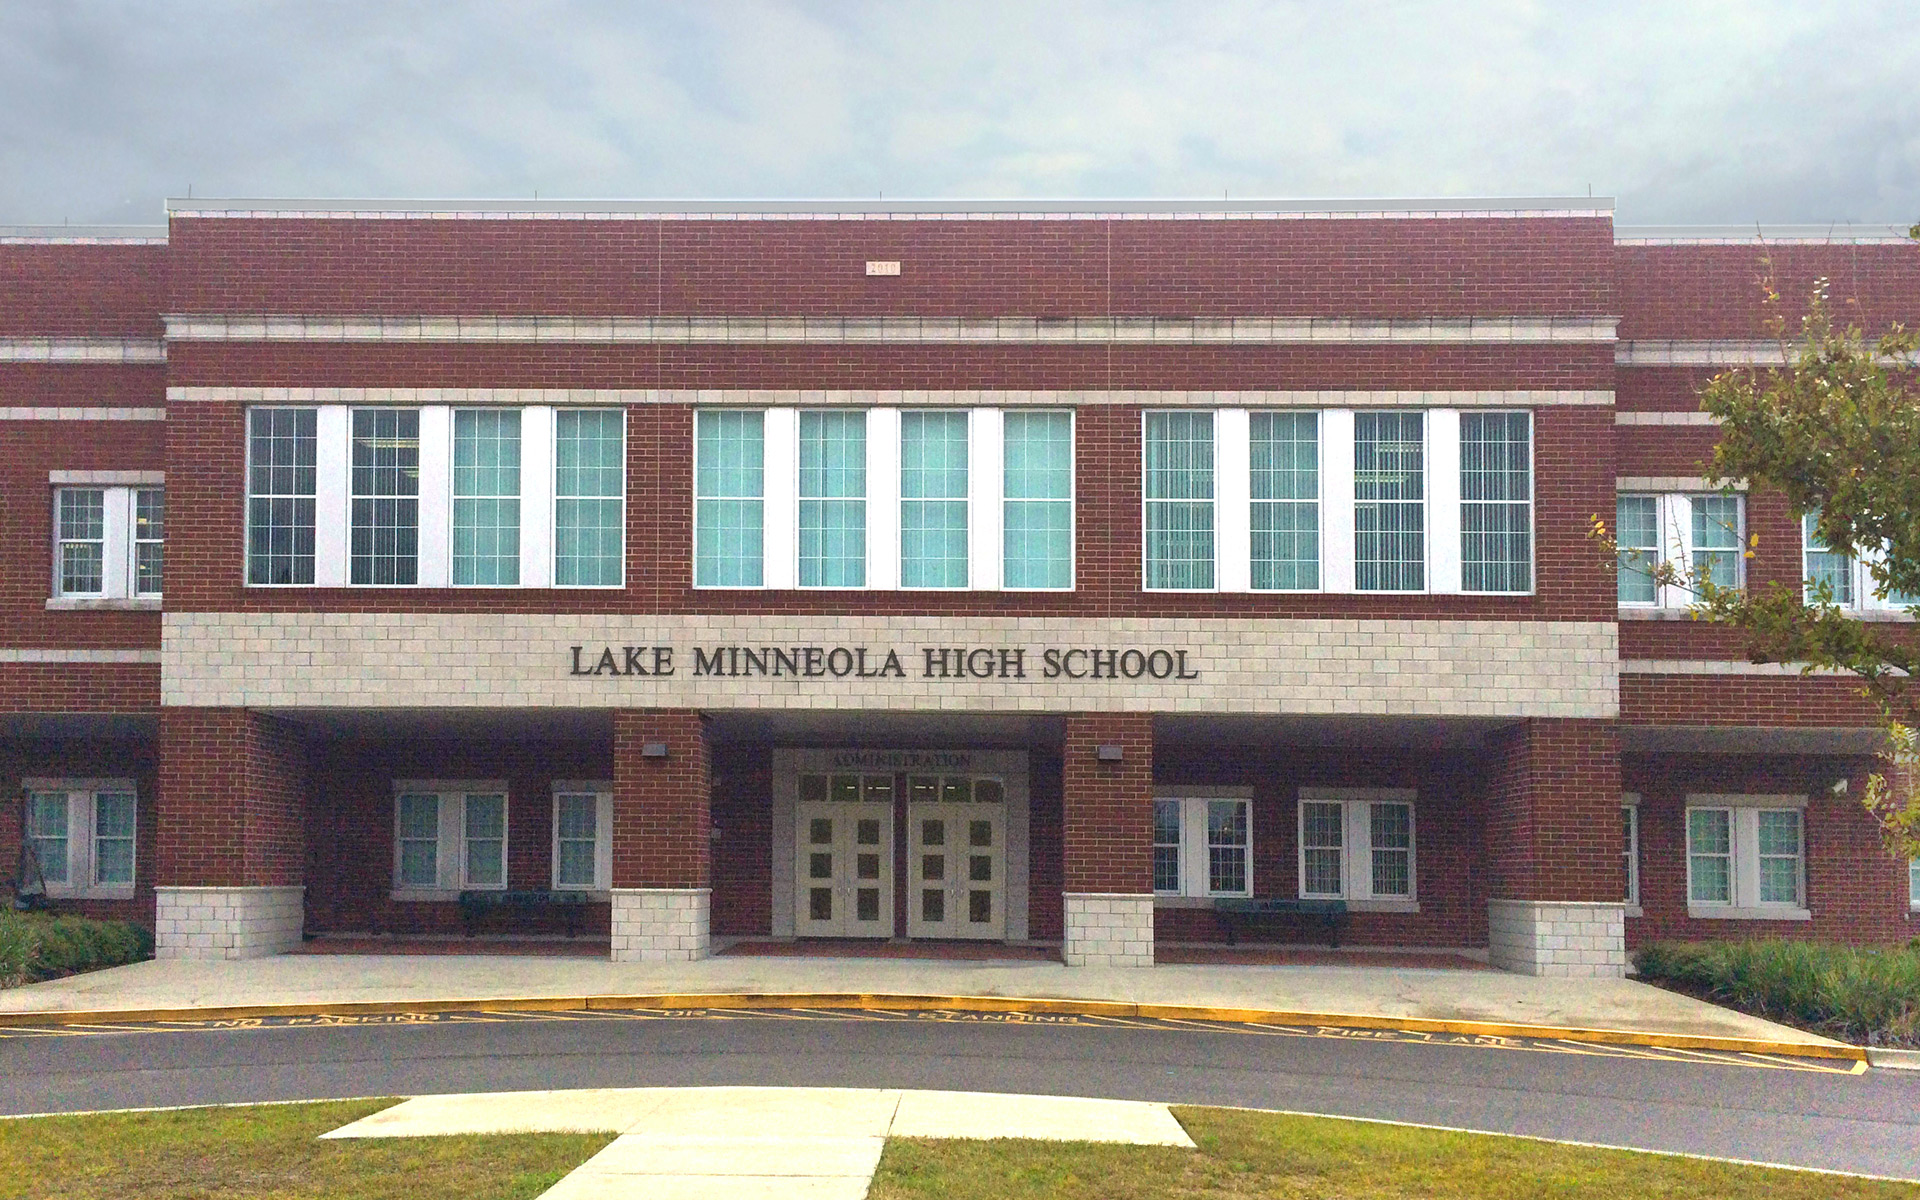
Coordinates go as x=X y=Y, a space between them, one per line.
x=1462 y=1001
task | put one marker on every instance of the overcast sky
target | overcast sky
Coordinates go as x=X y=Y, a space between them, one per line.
x=1686 y=112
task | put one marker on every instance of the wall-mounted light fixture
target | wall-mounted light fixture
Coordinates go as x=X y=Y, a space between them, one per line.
x=1107 y=753
x=653 y=750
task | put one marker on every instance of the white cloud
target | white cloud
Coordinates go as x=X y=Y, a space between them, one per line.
x=1720 y=112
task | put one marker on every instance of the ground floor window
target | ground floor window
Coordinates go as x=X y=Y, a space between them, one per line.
x=1357 y=844
x=1630 y=846
x=582 y=837
x=450 y=836
x=1203 y=846
x=1913 y=883
x=81 y=835
x=1746 y=855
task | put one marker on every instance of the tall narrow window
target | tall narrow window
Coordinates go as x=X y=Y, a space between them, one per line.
x=1777 y=836
x=385 y=533
x=1718 y=538
x=1826 y=568
x=82 y=523
x=833 y=499
x=1037 y=513
x=589 y=497
x=419 y=840
x=1286 y=500
x=281 y=477
x=1227 y=846
x=1637 y=533
x=1389 y=501
x=149 y=540
x=1710 y=855
x=486 y=497
x=47 y=827
x=1630 y=850
x=1359 y=849
x=730 y=450
x=1166 y=846
x=576 y=840
x=1496 y=501
x=486 y=841
x=1390 y=827
x=1179 y=500
x=113 y=817
x=933 y=499
x=1322 y=848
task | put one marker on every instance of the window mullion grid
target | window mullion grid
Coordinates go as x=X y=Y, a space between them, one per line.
x=1178 y=496
x=730 y=473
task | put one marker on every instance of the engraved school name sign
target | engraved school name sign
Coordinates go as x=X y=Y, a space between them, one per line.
x=867 y=662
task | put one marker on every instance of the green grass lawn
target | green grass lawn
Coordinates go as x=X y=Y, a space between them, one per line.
x=271 y=1151
x=1244 y=1155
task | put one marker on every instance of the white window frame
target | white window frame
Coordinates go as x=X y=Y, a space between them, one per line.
x=1630 y=809
x=1356 y=849
x=430 y=485
x=1244 y=520
x=602 y=793
x=1196 y=870
x=1438 y=445
x=1913 y=885
x=82 y=853
x=450 y=843
x=1214 y=505
x=119 y=547
x=767 y=504
x=990 y=551
x=1673 y=517
x=1439 y=493
x=1866 y=597
x=1744 y=843
x=898 y=531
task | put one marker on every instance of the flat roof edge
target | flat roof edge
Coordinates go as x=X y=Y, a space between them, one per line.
x=1559 y=205
x=1754 y=234
x=81 y=235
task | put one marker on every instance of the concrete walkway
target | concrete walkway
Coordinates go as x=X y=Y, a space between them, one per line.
x=745 y=1143
x=1369 y=993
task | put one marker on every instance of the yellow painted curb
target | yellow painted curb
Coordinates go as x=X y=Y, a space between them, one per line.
x=899 y=1002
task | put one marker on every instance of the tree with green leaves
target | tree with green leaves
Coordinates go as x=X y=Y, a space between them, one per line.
x=1836 y=430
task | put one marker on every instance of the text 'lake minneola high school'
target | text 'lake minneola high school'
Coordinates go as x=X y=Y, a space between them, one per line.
x=1018 y=573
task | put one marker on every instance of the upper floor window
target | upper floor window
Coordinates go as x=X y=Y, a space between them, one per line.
x=1389 y=501
x=730 y=480
x=109 y=542
x=933 y=499
x=1284 y=494
x=589 y=497
x=1702 y=535
x=486 y=497
x=1848 y=580
x=386 y=496
x=81 y=835
x=282 y=491
x=1037 y=504
x=833 y=499
x=1179 y=500
x=1496 y=502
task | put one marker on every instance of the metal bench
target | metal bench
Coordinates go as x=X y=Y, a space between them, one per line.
x=475 y=905
x=1236 y=914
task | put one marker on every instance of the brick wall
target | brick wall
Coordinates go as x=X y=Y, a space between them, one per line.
x=1714 y=291
x=743 y=852
x=1552 y=825
x=104 y=758
x=1107 y=826
x=660 y=805
x=232 y=800
x=1855 y=889
x=82 y=291
x=1752 y=700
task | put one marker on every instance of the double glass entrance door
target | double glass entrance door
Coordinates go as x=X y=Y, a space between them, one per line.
x=954 y=862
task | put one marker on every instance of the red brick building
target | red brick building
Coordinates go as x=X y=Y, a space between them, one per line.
x=1012 y=572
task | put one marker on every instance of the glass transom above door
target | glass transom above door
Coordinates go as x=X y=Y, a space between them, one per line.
x=843 y=856
x=956 y=857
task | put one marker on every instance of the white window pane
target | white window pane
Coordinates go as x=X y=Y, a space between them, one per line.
x=384 y=538
x=1322 y=841
x=1227 y=845
x=1391 y=838
x=113 y=838
x=1496 y=502
x=1637 y=533
x=281 y=476
x=1166 y=845
x=1037 y=518
x=589 y=507
x=1179 y=500
x=1913 y=883
x=1630 y=851
x=833 y=507
x=1779 y=846
x=81 y=526
x=1389 y=494
x=1826 y=569
x=1285 y=464
x=1717 y=539
x=149 y=540
x=419 y=833
x=729 y=490
x=933 y=499
x=486 y=826
x=486 y=497
x=1710 y=855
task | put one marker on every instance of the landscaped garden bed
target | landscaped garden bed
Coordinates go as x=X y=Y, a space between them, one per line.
x=36 y=946
x=1862 y=994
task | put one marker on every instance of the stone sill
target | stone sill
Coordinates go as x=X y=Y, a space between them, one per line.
x=1717 y=913
x=91 y=893
x=452 y=896
x=1634 y=910
x=1353 y=906
x=1869 y=615
x=103 y=604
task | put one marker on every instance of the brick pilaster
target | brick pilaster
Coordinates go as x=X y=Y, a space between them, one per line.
x=1107 y=834
x=660 y=805
x=1553 y=812
x=231 y=809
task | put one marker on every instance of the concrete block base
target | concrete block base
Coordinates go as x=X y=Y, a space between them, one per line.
x=661 y=924
x=222 y=923
x=1552 y=937
x=1108 y=929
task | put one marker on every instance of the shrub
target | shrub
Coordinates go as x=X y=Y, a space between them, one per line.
x=1862 y=994
x=36 y=946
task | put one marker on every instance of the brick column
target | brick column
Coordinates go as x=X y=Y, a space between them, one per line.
x=662 y=854
x=1556 y=886
x=231 y=834
x=1107 y=841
